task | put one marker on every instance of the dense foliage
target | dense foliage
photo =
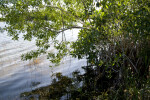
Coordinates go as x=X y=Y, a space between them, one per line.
x=44 y=20
x=114 y=38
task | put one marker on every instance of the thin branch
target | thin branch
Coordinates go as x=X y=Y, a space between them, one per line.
x=72 y=27
x=132 y=64
x=63 y=25
x=69 y=13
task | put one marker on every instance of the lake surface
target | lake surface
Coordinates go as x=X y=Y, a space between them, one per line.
x=18 y=76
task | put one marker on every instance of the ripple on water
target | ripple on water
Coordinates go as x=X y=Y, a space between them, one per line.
x=18 y=76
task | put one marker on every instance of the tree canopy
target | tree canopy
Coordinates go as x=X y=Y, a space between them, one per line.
x=114 y=35
x=104 y=25
x=44 y=20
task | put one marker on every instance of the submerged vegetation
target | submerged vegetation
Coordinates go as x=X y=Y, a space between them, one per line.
x=114 y=37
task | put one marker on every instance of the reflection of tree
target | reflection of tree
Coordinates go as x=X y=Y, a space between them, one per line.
x=92 y=84
x=102 y=81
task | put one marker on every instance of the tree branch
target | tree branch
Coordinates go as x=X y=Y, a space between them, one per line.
x=132 y=64
x=72 y=27
x=69 y=13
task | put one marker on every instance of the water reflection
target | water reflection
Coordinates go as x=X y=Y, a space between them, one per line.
x=18 y=76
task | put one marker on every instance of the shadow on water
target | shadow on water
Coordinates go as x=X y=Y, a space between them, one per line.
x=78 y=85
x=91 y=84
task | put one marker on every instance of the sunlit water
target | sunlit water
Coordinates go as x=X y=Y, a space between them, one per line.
x=18 y=76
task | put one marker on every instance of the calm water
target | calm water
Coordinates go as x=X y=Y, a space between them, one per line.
x=18 y=76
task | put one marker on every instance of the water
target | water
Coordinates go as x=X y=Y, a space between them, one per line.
x=18 y=76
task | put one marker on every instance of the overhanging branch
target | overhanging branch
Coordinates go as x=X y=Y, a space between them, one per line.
x=72 y=27
x=69 y=13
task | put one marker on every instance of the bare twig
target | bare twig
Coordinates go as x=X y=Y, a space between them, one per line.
x=132 y=64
